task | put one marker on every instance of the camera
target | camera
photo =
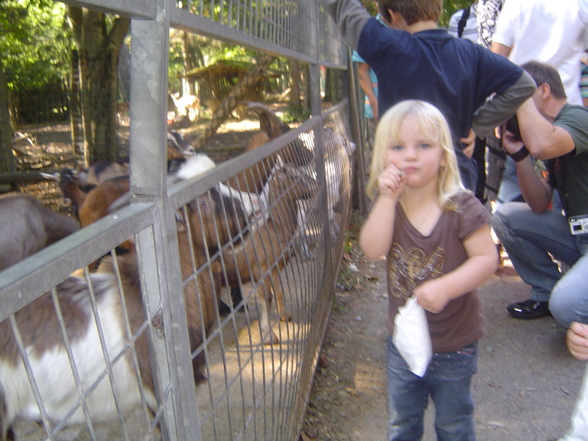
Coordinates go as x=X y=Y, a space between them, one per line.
x=512 y=125
x=578 y=224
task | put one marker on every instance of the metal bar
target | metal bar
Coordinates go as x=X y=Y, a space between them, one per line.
x=204 y=26
x=144 y=9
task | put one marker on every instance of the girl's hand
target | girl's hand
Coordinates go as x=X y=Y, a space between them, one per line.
x=430 y=296
x=577 y=340
x=391 y=182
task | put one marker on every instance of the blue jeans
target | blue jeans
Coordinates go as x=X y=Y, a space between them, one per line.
x=509 y=185
x=532 y=241
x=447 y=381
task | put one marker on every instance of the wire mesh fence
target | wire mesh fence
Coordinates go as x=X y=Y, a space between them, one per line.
x=196 y=313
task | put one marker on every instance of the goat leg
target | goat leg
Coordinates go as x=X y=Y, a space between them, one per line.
x=236 y=299
x=285 y=316
x=268 y=336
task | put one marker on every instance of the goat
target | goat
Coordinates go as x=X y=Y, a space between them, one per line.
x=102 y=171
x=29 y=226
x=42 y=335
x=266 y=247
x=115 y=193
x=75 y=185
x=98 y=201
x=337 y=165
x=254 y=178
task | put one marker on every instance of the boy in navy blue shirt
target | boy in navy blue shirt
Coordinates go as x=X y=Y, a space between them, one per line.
x=414 y=59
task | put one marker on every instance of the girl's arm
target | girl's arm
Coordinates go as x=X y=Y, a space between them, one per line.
x=375 y=237
x=482 y=262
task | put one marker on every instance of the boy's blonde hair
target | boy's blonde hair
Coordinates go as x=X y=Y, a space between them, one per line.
x=412 y=11
x=432 y=125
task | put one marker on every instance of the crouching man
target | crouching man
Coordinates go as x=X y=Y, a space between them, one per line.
x=533 y=235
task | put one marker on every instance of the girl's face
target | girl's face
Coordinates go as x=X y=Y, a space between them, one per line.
x=419 y=157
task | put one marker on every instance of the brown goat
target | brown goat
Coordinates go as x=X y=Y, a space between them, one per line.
x=42 y=335
x=102 y=171
x=98 y=200
x=266 y=247
x=76 y=185
x=254 y=178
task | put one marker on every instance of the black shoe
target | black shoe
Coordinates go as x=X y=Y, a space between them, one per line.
x=529 y=309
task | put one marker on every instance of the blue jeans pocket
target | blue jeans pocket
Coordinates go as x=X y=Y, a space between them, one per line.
x=454 y=366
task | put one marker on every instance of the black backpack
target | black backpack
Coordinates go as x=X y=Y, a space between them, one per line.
x=462 y=21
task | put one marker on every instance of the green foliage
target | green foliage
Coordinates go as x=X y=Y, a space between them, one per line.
x=34 y=38
x=450 y=7
x=295 y=114
x=35 y=43
x=371 y=6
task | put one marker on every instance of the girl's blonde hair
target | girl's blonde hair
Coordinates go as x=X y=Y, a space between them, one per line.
x=432 y=125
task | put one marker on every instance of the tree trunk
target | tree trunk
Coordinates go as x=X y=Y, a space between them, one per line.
x=6 y=157
x=295 y=84
x=98 y=57
x=187 y=88
x=75 y=113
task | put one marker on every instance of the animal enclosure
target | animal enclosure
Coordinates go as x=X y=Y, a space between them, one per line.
x=209 y=327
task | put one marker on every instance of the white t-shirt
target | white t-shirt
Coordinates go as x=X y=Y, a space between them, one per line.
x=549 y=31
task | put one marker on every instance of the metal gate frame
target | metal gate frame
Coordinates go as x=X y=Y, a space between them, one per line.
x=151 y=216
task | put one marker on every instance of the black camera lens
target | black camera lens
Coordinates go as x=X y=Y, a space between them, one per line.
x=512 y=125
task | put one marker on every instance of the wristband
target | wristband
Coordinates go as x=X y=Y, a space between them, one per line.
x=520 y=155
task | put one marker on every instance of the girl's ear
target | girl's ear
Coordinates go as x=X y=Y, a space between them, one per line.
x=443 y=161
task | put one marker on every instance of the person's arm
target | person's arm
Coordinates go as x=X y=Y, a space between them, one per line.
x=535 y=190
x=482 y=262
x=350 y=17
x=500 y=49
x=542 y=139
x=502 y=106
x=577 y=340
x=470 y=143
x=365 y=81
x=375 y=237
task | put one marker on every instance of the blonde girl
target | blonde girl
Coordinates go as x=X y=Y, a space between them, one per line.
x=436 y=239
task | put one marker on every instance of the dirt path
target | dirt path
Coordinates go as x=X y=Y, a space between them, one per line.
x=525 y=388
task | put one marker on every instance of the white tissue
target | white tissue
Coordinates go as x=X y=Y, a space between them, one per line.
x=411 y=336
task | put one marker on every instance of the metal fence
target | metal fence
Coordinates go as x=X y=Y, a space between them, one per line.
x=139 y=349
